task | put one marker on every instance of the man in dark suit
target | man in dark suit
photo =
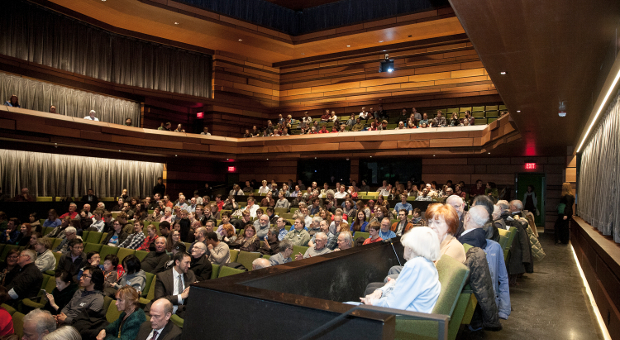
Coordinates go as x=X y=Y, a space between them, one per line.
x=90 y=198
x=28 y=281
x=173 y=284
x=473 y=224
x=159 y=327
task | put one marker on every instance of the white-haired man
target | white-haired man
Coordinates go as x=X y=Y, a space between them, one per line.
x=37 y=324
x=27 y=282
x=318 y=249
x=457 y=203
x=260 y=263
x=473 y=225
x=199 y=264
x=91 y=116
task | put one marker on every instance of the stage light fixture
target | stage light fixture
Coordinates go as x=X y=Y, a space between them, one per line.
x=387 y=64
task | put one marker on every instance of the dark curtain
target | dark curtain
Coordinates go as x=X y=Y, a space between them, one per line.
x=327 y=16
x=39 y=96
x=30 y=32
x=62 y=175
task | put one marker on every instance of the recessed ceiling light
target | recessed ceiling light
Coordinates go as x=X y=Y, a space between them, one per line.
x=348 y=45
x=267 y=158
x=176 y=23
x=240 y=39
x=370 y=156
x=518 y=111
x=380 y=40
x=302 y=53
x=103 y=0
x=502 y=73
x=489 y=153
x=433 y=155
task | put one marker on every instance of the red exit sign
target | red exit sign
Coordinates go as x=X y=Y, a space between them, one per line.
x=200 y=115
x=530 y=166
x=232 y=169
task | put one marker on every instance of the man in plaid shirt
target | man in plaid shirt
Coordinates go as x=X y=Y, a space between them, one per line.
x=136 y=239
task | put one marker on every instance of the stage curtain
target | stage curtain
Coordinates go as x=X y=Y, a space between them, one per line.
x=38 y=95
x=599 y=175
x=35 y=34
x=64 y=175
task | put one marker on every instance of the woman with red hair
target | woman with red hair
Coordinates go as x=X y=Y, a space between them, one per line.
x=444 y=220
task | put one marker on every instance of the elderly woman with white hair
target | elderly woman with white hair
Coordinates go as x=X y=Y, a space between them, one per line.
x=417 y=287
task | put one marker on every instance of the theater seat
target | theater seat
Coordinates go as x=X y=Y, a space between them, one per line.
x=177 y=321
x=44 y=199
x=124 y=252
x=113 y=313
x=6 y=250
x=246 y=258
x=227 y=271
x=40 y=303
x=298 y=249
x=452 y=276
x=107 y=250
x=94 y=237
x=361 y=234
x=18 y=324
x=141 y=254
x=88 y=247
x=215 y=270
x=234 y=253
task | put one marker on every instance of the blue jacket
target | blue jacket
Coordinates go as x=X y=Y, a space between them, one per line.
x=499 y=275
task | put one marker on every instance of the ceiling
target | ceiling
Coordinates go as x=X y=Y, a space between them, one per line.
x=298 y=5
x=551 y=50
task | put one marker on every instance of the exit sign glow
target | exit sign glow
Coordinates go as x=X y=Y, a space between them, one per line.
x=231 y=169
x=530 y=166
x=200 y=115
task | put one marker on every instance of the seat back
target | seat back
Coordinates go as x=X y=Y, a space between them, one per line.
x=18 y=324
x=234 y=253
x=141 y=254
x=298 y=249
x=107 y=250
x=279 y=211
x=123 y=252
x=46 y=230
x=94 y=237
x=106 y=304
x=85 y=235
x=6 y=250
x=55 y=242
x=9 y=309
x=147 y=285
x=177 y=320
x=227 y=271
x=215 y=270
x=361 y=234
x=246 y=258
x=113 y=313
x=51 y=284
x=88 y=247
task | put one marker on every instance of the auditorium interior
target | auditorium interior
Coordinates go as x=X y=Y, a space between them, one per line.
x=539 y=80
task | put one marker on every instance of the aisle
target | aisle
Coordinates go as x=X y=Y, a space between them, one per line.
x=550 y=303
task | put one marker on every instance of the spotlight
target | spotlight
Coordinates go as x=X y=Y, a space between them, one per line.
x=387 y=64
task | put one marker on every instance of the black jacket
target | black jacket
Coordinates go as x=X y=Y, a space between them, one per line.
x=170 y=332
x=27 y=282
x=73 y=267
x=155 y=262
x=121 y=238
x=94 y=200
x=202 y=268
x=476 y=238
x=159 y=189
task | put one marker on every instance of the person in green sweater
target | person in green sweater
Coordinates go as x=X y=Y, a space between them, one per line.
x=127 y=325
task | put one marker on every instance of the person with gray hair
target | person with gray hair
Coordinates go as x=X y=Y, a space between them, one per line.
x=515 y=207
x=199 y=264
x=491 y=230
x=260 y=263
x=63 y=333
x=26 y=284
x=474 y=223
x=284 y=255
x=459 y=205
x=91 y=116
x=37 y=324
x=417 y=287
x=345 y=240
x=315 y=227
x=319 y=248
x=70 y=233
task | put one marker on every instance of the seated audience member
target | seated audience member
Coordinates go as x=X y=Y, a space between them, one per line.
x=45 y=258
x=13 y=232
x=315 y=227
x=111 y=273
x=24 y=196
x=200 y=236
x=402 y=226
x=159 y=326
x=12 y=102
x=360 y=223
x=491 y=230
x=345 y=240
x=52 y=219
x=91 y=116
x=37 y=324
x=298 y=236
x=134 y=275
x=9 y=268
x=285 y=249
x=263 y=226
x=385 y=232
x=403 y=204
x=281 y=225
x=120 y=205
x=271 y=243
x=200 y=265
x=331 y=237
x=459 y=205
x=99 y=223
x=129 y=321
x=227 y=234
x=149 y=241
x=89 y=298
x=136 y=239
x=249 y=241
x=25 y=232
x=219 y=253
x=318 y=249
x=155 y=261
x=443 y=219
x=417 y=287
x=27 y=281
x=116 y=236
x=373 y=230
x=167 y=216
x=72 y=212
x=473 y=227
x=173 y=284
x=62 y=294
x=74 y=259
x=260 y=263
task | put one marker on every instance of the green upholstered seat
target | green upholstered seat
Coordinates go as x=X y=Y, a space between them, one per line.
x=113 y=313
x=246 y=258
x=452 y=276
x=215 y=270
x=124 y=252
x=234 y=253
x=297 y=250
x=177 y=320
x=94 y=237
x=141 y=254
x=227 y=271
x=88 y=247
x=107 y=250
x=18 y=324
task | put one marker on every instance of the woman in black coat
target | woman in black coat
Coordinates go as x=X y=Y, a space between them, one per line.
x=563 y=222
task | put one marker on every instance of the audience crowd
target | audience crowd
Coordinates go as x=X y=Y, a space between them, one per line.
x=191 y=235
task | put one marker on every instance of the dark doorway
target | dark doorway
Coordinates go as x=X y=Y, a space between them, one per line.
x=375 y=171
x=320 y=171
x=539 y=184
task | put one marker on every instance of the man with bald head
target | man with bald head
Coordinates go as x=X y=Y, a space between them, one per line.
x=263 y=226
x=199 y=264
x=159 y=327
x=319 y=248
x=260 y=263
x=155 y=261
x=459 y=205
x=473 y=225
